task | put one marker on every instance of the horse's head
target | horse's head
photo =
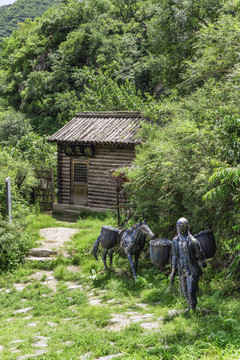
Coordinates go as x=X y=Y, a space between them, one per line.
x=144 y=228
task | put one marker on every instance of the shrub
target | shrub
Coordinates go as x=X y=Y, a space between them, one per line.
x=15 y=241
x=22 y=180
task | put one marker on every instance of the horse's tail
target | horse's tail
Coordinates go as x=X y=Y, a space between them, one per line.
x=95 y=247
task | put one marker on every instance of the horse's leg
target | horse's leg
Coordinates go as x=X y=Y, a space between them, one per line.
x=110 y=254
x=131 y=264
x=95 y=247
x=104 y=254
x=136 y=262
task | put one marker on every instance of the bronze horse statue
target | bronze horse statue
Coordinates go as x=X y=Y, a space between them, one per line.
x=129 y=241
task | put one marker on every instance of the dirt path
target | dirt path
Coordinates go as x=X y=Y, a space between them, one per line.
x=55 y=238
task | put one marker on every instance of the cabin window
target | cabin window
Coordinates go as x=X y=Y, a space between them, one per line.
x=80 y=172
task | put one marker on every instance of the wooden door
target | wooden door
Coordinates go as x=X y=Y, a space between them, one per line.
x=79 y=182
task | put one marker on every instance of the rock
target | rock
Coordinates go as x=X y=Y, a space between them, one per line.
x=39 y=337
x=174 y=312
x=138 y=318
x=72 y=286
x=41 y=259
x=68 y=343
x=118 y=322
x=86 y=356
x=20 y=287
x=56 y=237
x=109 y=357
x=51 y=323
x=40 y=252
x=132 y=313
x=42 y=274
x=95 y=301
x=72 y=268
x=150 y=325
x=33 y=324
x=1 y=347
x=111 y=301
x=41 y=343
x=16 y=341
x=22 y=311
x=38 y=353
x=142 y=305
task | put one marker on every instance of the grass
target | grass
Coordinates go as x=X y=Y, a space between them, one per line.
x=74 y=328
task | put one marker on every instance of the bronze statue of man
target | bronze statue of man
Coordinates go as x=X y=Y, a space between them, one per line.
x=186 y=255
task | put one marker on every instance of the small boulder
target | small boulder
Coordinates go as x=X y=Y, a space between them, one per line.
x=40 y=252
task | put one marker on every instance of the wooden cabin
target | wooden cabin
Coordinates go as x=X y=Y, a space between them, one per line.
x=90 y=147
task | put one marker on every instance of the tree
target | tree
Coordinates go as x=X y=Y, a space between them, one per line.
x=13 y=125
x=216 y=52
x=103 y=93
x=173 y=34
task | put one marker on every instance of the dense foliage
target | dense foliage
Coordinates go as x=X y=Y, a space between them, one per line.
x=11 y=15
x=190 y=166
x=46 y=65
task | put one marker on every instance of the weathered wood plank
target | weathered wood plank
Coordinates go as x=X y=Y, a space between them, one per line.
x=109 y=163
x=105 y=182
x=67 y=189
x=114 y=156
x=103 y=201
x=104 y=191
x=109 y=148
x=96 y=174
x=103 y=195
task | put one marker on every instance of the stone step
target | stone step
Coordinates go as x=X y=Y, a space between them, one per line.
x=41 y=252
x=37 y=258
x=71 y=213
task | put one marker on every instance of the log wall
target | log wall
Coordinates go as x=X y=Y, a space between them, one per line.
x=64 y=177
x=101 y=186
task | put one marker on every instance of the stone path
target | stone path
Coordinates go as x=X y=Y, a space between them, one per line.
x=52 y=245
x=55 y=239
x=120 y=320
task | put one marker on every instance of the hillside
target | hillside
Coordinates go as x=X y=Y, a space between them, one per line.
x=68 y=49
x=11 y=15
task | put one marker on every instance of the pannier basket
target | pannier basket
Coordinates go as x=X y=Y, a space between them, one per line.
x=109 y=236
x=160 y=251
x=207 y=242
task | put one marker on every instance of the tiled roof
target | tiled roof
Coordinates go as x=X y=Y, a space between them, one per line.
x=101 y=128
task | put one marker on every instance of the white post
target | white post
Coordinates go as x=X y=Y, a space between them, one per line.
x=9 y=199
